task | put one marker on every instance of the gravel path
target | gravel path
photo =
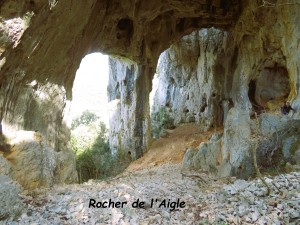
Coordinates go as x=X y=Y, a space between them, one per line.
x=210 y=202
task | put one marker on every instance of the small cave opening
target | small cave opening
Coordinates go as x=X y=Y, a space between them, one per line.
x=251 y=95
x=125 y=24
x=168 y=105
x=270 y=89
x=203 y=104
x=186 y=110
x=171 y=80
x=125 y=29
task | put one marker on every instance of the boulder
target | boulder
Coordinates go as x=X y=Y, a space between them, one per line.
x=206 y=157
x=188 y=159
x=10 y=203
x=228 y=154
x=32 y=161
x=270 y=123
x=65 y=171
x=34 y=164
x=236 y=147
x=283 y=146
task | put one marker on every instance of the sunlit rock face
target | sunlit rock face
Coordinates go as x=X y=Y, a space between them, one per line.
x=38 y=109
x=253 y=65
x=29 y=154
x=195 y=77
x=249 y=68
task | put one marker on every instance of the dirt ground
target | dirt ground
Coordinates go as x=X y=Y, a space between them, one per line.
x=171 y=149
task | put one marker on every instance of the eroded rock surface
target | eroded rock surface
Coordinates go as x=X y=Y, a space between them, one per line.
x=128 y=93
x=194 y=75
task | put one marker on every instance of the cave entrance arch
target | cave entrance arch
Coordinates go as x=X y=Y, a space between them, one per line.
x=89 y=92
x=194 y=80
x=88 y=114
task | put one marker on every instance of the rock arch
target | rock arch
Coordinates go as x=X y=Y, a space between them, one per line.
x=44 y=44
x=41 y=47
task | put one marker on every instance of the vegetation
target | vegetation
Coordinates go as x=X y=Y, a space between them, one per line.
x=90 y=143
x=160 y=121
x=87 y=118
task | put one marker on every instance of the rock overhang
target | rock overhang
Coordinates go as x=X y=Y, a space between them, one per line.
x=61 y=33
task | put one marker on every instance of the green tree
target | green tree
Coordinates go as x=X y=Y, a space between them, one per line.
x=89 y=141
x=86 y=118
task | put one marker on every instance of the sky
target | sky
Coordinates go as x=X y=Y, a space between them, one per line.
x=90 y=87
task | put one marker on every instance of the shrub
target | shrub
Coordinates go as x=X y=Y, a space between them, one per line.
x=93 y=156
x=92 y=162
x=161 y=120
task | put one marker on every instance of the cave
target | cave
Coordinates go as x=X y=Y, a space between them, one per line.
x=270 y=89
x=273 y=85
x=220 y=59
x=210 y=50
x=38 y=63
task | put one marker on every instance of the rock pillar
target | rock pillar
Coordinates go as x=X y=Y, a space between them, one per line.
x=128 y=93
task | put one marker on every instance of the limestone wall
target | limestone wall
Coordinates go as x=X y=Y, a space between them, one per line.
x=267 y=40
x=195 y=77
x=252 y=68
x=128 y=93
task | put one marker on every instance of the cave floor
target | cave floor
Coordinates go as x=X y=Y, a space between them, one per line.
x=158 y=176
x=206 y=201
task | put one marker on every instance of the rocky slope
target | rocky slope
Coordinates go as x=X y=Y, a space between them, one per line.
x=206 y=201
x=158 y=175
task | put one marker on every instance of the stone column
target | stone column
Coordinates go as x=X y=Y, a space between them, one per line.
x=128 y=93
